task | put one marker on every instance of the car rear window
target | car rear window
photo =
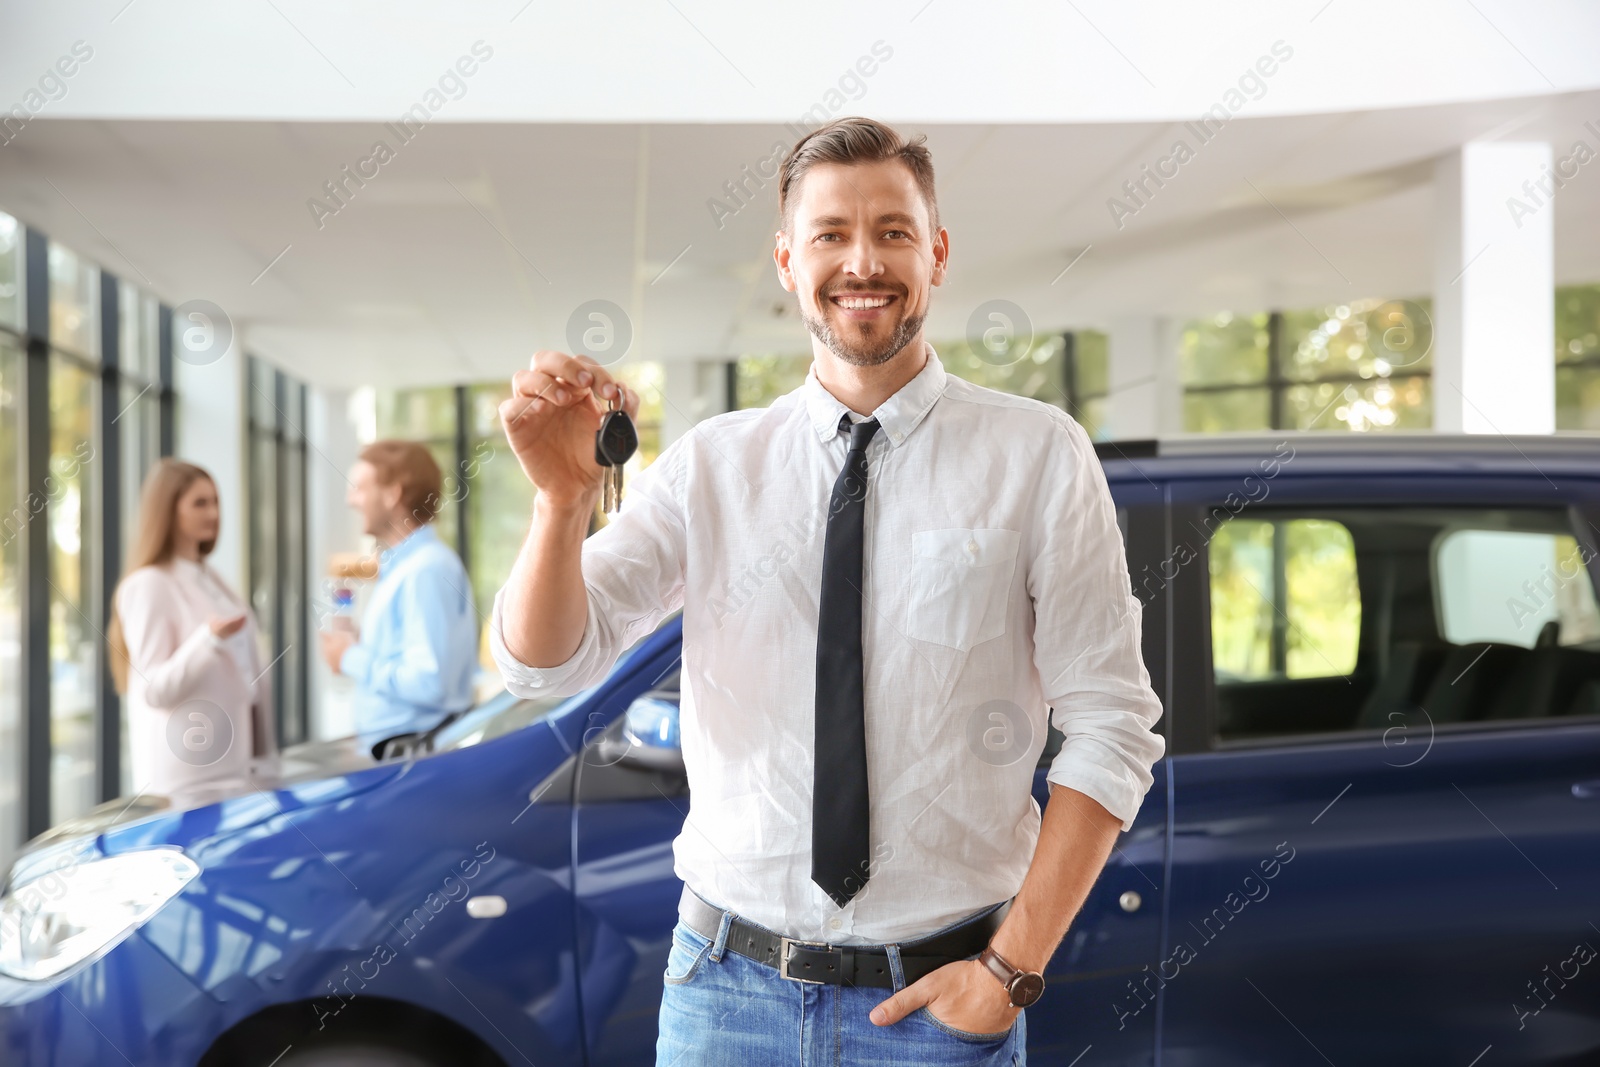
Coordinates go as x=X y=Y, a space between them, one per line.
x=1506 y=585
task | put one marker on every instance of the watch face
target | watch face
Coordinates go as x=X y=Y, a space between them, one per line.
x=1026 y=988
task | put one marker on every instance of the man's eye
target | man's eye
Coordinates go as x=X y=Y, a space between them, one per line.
x=902 y=233
x=825 y=236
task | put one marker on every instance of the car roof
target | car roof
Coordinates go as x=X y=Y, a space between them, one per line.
x=1186 y=456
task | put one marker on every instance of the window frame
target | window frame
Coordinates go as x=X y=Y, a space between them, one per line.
x=95 y=352
x=14 y=721
x=277 y=522
x=1277 y=384
x=94 y=559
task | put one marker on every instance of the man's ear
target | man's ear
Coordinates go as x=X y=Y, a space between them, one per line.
x=781 y=254
x=941 y=256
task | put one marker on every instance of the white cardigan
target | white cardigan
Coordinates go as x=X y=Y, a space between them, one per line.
x=190 y=696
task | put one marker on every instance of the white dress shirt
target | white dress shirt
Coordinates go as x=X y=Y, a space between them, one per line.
x=995 y=588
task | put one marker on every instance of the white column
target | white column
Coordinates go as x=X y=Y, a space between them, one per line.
x=693 y=390
x=1146 y=393
x=211 y=429
x=1494 y=290
x=332 y=443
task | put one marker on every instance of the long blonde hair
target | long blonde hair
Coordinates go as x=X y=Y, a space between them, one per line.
x=166 y=483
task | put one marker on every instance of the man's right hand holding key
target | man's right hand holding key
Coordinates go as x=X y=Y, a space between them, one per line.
x=550 y=421
x=551 y=417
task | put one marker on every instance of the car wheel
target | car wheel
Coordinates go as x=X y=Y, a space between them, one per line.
x=355 y=1055
x=368 y=1032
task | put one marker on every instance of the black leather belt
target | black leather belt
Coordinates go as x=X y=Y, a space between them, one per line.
x=855 y=965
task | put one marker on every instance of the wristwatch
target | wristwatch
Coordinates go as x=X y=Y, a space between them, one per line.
x=1024 y=987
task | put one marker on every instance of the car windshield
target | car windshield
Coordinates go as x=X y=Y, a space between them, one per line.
x=504 y=712
x=496 y=717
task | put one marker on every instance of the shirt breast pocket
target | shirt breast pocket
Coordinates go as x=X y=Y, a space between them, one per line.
x=960 y=583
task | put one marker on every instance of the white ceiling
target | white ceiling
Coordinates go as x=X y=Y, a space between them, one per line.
x=475 y=244
x=728 y=61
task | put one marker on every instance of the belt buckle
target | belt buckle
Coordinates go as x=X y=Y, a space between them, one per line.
x=783 y=959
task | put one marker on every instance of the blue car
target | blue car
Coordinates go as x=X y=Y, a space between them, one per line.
x=1375 y=838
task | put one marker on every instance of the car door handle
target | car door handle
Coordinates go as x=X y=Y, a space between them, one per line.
x=1586 y=790
x=486 y=907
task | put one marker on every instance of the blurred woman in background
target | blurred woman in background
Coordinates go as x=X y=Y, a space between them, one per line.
x=183 y=645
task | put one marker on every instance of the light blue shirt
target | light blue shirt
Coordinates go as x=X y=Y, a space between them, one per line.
x=418 y=649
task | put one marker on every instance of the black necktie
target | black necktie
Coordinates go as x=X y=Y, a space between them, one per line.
x=839 y=841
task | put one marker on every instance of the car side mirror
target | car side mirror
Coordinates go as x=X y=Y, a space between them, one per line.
x=648 y=739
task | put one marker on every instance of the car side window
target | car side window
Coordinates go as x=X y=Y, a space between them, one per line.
x=1349 y=620
x=1508 y=586
x=1284 y=602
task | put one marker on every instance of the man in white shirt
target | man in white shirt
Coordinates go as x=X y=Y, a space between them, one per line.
x=875 y=628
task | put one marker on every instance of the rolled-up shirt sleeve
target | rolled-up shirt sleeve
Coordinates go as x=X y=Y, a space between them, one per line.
x=634 y=572
x=1087 y=626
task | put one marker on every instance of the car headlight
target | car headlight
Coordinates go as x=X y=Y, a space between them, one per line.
x=60 y=919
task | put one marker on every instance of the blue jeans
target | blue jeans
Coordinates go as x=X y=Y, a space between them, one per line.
x=719 y=1008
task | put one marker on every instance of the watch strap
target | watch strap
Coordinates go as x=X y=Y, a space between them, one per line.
x=1007 y=974
x=997 y=965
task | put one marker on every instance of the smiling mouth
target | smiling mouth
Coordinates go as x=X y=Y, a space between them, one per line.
x=862 y=301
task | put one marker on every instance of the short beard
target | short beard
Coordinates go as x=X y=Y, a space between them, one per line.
x=868 y=353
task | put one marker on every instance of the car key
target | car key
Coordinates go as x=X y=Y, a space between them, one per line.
x=614 y=444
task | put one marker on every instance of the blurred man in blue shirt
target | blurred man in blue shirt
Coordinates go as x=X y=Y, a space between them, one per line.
x=414 y=660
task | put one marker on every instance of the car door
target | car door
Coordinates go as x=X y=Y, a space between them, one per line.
x=626 y=813
x=1384 y=850
x=1113 y=937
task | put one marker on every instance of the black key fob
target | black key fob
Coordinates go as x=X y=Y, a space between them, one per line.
x=617 y=440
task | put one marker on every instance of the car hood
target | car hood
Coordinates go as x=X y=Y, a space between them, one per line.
x=300 y=776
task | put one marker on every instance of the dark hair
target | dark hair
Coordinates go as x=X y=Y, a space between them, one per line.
x=855 y=140
x=414 y=468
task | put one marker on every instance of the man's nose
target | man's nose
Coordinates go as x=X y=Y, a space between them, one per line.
x=861 y=259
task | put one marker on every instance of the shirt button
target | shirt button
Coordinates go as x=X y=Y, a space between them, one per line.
x=972 y=546
x=834 y=924
x=897 y=436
